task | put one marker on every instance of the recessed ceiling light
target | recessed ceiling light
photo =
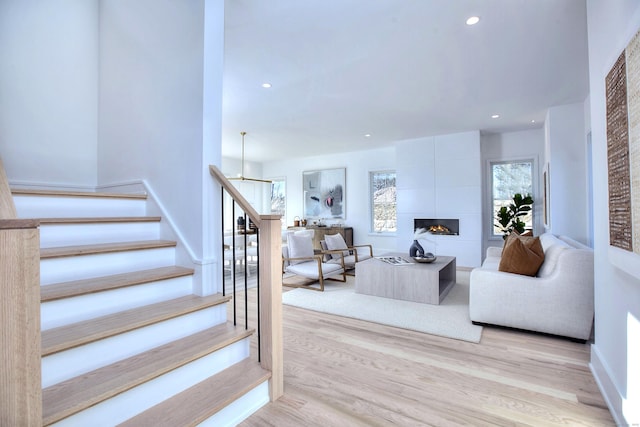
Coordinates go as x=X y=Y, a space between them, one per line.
x=266 y=85
x=495 y=116
x=533 y=121
x=367 y=135
x=473 y=20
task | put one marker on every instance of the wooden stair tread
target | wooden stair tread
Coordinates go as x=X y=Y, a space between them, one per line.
x=98 y=284
x=69 y=336
x=71 y=396
x=51 y=193
x=65 y=251
x=204 y=399
x=99 y=220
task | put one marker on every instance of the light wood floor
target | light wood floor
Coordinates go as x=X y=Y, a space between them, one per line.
x=345 y=372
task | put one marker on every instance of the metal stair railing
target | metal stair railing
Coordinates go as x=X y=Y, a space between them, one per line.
x=269 y=279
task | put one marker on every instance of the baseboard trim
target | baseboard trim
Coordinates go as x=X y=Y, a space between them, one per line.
x=610 y=393
x=128 y=187
x=24 y=185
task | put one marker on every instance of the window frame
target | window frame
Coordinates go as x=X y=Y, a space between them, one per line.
x=534 y=191
x=283 y=180
x=371 y=176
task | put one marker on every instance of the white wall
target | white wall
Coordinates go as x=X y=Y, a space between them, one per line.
x=49 y=92
x=525 y=145
x=256 y=193
x=358 y=165
x=615 y=357
x=440 y=177
x=566 y=150
x=157 y=105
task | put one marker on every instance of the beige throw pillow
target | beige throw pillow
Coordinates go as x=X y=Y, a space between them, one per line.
x=522 y=255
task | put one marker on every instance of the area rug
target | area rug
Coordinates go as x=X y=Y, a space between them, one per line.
x=449 y=319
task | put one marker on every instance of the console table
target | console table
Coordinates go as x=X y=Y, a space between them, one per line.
x=320 y=232
x=419 y=282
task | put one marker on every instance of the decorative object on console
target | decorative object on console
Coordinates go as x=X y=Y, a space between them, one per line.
x=509 y=218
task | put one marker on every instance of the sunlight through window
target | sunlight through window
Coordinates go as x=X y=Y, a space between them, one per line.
x=631 y=405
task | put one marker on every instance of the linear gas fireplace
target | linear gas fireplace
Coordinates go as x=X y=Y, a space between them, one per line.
x=447 y=227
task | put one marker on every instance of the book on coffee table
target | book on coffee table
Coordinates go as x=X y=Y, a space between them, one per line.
x=395 y=260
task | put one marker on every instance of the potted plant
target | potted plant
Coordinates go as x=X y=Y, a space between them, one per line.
x=510 y=217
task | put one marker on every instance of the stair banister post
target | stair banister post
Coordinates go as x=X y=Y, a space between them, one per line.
x=20 y=374
x=271 y=346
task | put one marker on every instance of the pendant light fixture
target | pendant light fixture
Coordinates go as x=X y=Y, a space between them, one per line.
x=242 y=177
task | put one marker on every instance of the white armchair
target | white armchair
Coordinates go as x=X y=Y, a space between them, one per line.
x=299 y=259
x=351 y=254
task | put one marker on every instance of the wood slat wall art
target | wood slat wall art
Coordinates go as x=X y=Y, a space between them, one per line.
x=633 y=102
x=620 y=234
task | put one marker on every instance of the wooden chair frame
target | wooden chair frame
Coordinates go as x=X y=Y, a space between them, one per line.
x=320 y=278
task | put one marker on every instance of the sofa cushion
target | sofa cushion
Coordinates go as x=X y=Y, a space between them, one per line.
x=310 y=269
x=551 y=257
x=299 y=247
x=522 y=255
x=336 y=242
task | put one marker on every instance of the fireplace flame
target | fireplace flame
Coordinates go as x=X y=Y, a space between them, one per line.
x=439 y=229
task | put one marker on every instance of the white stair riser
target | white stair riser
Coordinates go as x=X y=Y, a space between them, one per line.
x=53 y=235
x=64 y=269
x=132 y=402
x=77 y=207
x=77 y=361
x=77 y=309
x=240 y=409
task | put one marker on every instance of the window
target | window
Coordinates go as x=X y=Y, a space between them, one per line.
x=278 y=198
x=382 y=193
x=507 y=179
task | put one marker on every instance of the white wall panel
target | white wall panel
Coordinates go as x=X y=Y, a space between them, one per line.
x=49 y=91
x=611 y=24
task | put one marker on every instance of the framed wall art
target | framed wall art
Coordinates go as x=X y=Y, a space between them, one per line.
x=622 y=85
x=324 y=193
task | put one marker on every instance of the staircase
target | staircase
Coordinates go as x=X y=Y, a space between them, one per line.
x=125 y=341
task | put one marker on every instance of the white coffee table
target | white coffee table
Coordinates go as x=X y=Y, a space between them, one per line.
x=419 y=282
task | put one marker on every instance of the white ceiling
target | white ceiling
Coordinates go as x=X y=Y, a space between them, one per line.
x=394 y=69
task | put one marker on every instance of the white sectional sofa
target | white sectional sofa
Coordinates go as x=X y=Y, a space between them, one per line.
x=558 y=301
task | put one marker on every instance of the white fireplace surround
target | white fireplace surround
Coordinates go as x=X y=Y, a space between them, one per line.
x=441 y=177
